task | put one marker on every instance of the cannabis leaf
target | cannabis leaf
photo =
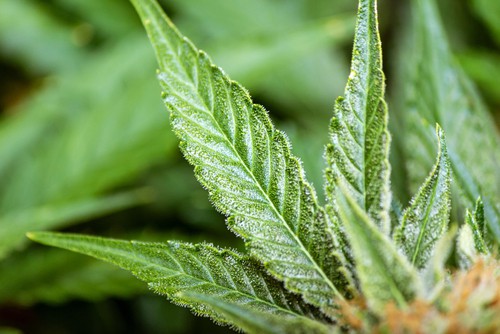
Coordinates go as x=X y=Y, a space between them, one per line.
x=475 y=221
x=258 y=322
x=438 y=92
x=359 y=147
x=384 y=274
x=425 y=221
x=184 y=271
x=245 y=164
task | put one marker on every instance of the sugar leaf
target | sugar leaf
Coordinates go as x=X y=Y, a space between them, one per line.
x=426 y=219
x=435 y=274
x=385 y=275
x=475 y=220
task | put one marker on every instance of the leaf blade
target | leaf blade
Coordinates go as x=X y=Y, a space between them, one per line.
x=252 y=321
x=426 y=219
x=176 y=267
x=359 y=139
x=384 y=274
x=475 y=221
x=245 y=164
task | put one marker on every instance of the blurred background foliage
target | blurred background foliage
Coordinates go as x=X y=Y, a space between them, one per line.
x=85 y=143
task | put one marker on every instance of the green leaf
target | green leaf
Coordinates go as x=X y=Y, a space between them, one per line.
x=42 y=42
x=79 y=136
x=359 y=140
x=384 y=274
x=475 y=221
x=246 y=165
x=175 y=267
x=483 y=67
x=14 y=226
x=489 y=12
x=426 y=219
x=438 y=92
x=253 y=321
x=251 y=59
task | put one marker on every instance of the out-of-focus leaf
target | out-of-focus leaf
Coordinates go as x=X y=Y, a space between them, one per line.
x=301 y=70
x=438 y=92
x=489 y=12
x=237 y=18
x=8 y=330
x=97 y=14
x=32 y=37
x=51 y=276
x=253 y=57
x=484 y=68
x=107 y=128
x=14 y=225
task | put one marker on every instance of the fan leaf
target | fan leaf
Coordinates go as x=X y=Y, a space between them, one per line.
x=425 y=221
x=174 y=268
x=359 y=139
x=245 y=164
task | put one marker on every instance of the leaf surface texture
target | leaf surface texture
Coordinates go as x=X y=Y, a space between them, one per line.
x=359 y=139
x=437 y=91
x=175 y=268
x=384 y=274
x=425 y=221
x=245 y=164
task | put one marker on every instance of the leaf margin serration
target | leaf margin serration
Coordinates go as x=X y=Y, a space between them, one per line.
x=428 y=212
x=176 y=267
x=311 y=265
x=350 y=142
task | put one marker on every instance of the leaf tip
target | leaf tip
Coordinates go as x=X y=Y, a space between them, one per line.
x=38 y=236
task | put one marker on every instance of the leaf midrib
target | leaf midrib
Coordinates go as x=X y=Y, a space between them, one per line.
x=425 y=220
x=367 y=88
x=274 y=209
x=209 y=112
